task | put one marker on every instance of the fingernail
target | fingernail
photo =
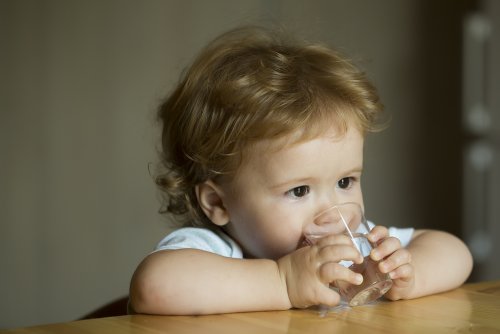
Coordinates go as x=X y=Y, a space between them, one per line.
x=375 y=255
x=359 y=278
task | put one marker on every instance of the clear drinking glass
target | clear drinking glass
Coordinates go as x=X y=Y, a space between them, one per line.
x=348 y=218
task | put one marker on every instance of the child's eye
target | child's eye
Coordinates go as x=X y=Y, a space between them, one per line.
x=345 y=183
x=298 y=192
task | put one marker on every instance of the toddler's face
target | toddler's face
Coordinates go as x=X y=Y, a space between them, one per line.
x=277 y=192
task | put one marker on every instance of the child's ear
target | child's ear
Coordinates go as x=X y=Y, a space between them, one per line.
x=210 y=201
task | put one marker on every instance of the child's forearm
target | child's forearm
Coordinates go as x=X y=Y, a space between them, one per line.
x=441 y=262
x=195 y=282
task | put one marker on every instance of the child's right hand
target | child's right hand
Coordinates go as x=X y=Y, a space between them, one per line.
x=308 y=271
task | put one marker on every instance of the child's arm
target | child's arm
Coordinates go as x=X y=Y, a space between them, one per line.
x=433 y=262
x=191 y=281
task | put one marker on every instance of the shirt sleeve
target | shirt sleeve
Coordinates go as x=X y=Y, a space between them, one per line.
x=403 y=234
x=216 y=242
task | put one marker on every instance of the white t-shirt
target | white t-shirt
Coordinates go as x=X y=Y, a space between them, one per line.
x=218 y=242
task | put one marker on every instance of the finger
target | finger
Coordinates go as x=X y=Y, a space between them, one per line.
x=397 y=259
x=385 y=248
x=328 y=296
x=403 y=272
x=334 y=239
x=339 y=252
x=377 y=234
x=333 y=271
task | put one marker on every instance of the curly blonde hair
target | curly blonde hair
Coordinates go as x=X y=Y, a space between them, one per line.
x=247 y=85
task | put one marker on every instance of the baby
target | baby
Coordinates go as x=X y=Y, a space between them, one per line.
x=262 y=133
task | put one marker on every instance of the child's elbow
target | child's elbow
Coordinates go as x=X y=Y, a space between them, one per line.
x=146 y=291
x=469 y=260
x=141 y=299
x=464 y=260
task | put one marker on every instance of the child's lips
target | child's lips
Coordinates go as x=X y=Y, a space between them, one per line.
x=304 y=243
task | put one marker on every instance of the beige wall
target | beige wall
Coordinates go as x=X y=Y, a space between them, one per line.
x=80 y=81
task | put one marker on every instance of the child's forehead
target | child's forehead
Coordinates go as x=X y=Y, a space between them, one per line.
x=292 y=157
x=271 y=146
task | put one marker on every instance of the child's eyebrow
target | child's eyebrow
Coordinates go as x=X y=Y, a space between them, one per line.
x=310 y=180
x=293 y=182
x=357 y=170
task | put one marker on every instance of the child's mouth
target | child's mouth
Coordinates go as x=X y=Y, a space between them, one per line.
x=304 y=242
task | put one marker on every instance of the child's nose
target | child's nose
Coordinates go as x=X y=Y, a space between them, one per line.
x=326 y=216
x=327 y=222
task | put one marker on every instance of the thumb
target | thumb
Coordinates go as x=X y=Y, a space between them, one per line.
x=328 y=296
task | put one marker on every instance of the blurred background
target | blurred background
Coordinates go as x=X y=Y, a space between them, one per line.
x=80 y=82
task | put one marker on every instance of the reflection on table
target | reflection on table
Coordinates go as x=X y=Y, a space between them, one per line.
x=472 y=308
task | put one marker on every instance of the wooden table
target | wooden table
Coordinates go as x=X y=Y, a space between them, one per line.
x=472 y=308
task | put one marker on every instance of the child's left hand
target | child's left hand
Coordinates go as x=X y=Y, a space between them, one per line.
x=394 y=260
